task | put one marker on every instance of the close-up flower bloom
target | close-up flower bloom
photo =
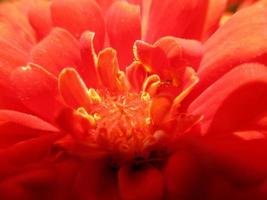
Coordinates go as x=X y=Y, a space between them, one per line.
x=133 y=100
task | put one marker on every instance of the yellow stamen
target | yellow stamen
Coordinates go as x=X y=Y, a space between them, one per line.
x=151 y=84
x=94 y=96
x=83 y=113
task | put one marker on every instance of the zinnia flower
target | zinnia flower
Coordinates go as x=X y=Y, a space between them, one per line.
x=128 y=100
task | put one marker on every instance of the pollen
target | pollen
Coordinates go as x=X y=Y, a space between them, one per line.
x=26 y=68
x=123 y=123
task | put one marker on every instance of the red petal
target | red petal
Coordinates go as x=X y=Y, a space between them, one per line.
x=12 y=133
x=78 y=16
x=214 y=14
x=40 y=18
x=37 y=90
x=168 y=18
x=152 y=57
x=239 y=161
x=169 y=58
x=65 y=173
x=136 y=75
x=14 y=37
x=220 y=188
x=27 y=120
x=93 y=178
x=58 y=50
x=181 y=176
x=13 y=49
x=242 y=39
x=105 y=4
x=108 y=70
x=138 y=184
x=234 y=101
x=181 y=52
x=88 y=57
x=25 y=186
x=138 y=2
x=24 y=153
x=16 y=127
x=13 y=53
x=123 y=27
x=18 y=20
x=73 y=89
x=52 y=181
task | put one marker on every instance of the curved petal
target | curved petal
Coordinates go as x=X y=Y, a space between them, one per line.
x=40 y=18
x=220 y=188
x=18 y=20
x=181 y=52
x=215 y=10
x=65 y=173
x=9 y=101
x=152 y=57
x=169 y=58
x=41 y=181
x=105 y=5
x=240 y=162
x=14 y=49
x=109 y=73
x=73 y=89
x=138 y=2
x=13 y=53
x=123 y=27
x=96 y=181
x=37 y=89
x=234 y=101
x=141 y=183
x=56 y=51
x=14 y=37
x=12 y=133
x=136 y=75
x=168 y=18
x=17 y=127
x=169 y=53
x=78 y=16
x=25 y=186
x=181 y=176
x=89 y=57
x=24 y=119
x=242 y=39
x=23 y=153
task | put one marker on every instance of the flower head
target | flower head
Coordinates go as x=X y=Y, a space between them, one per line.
x=128 y=100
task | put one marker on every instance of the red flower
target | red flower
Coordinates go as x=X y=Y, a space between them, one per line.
x=82 y=117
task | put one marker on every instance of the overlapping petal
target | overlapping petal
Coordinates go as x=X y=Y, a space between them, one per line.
x=64 y=126
x=123 y=28
x=215 y=11
x=133 y=181
x=233 y=102
x=73 y=15
x=91 y=180
x=242 y=39
x=161 y=24
x=40 y=18
x=57 y=45
x=37 y=90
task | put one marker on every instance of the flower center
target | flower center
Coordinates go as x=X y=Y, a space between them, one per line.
x=122 y=123
x=118 y=126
